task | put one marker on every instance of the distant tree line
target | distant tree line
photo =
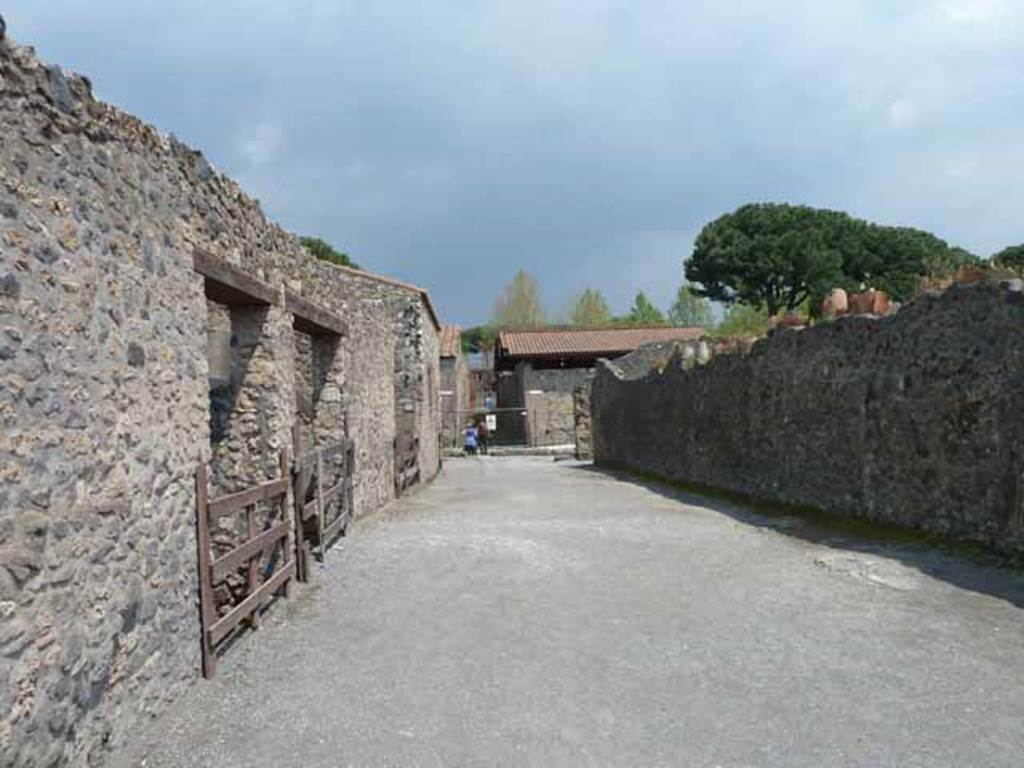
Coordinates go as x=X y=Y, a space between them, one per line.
x=761 y=260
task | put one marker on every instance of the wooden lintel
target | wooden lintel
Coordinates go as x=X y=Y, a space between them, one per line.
x=227 y=284
x=312 y=318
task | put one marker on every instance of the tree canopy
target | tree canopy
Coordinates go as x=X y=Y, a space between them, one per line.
x=591 y=308
x=778 y=256
x=479 y=338
x=326 y=252
x=689 y=308
x=519 y=304
x=643 y=312
x=1011 y=258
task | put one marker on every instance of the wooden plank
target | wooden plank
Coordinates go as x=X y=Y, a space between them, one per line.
x=287 y=508
x=300 y=482
x=350 y=460
x=259 y=544
x=310 y=509
x=335 y=527
x=242 y=499
x=206 y=607
x=330 y=493
x=312 y=318
x=320 y=504
x=236 y=615
x=253 y=576
x=227 y=284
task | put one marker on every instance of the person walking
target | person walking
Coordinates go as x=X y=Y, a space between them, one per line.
x=470 y=439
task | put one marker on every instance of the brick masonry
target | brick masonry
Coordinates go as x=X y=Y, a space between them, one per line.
x=105 y=403
x=915 y=419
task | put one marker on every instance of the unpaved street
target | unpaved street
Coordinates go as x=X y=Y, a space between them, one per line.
x=526 y=612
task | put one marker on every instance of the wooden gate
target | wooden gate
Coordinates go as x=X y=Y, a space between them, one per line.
x=407 y=453
x=262 y=579
x=323 y=499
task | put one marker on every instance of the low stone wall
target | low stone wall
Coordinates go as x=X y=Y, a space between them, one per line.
x=106 y=406
x=915 y=419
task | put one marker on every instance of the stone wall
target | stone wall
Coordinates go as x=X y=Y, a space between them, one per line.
x=581 y=422
x=915 y=419
x=106 y=406
x=548 y=394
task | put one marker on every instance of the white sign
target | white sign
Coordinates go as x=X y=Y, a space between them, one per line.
x=492 y=422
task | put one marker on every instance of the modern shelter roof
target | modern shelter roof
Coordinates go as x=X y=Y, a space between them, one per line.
x=587 y=342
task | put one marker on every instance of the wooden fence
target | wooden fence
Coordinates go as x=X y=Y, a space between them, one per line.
x=262 y=579
x=322 y=511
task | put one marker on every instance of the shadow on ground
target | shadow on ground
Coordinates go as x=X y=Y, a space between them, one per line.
x=962 y=564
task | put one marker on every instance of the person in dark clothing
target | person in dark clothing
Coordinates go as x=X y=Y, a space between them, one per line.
x=482 y=433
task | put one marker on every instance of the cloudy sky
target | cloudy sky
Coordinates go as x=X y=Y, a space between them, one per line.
x=449 y=143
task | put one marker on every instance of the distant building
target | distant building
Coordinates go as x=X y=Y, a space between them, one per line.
x=537 y=371
x=455 y=384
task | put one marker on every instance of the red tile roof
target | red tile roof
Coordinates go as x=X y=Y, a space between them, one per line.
x=587 y=342
x=451 y=340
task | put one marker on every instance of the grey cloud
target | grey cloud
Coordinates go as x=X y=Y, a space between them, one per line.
x=450 y=143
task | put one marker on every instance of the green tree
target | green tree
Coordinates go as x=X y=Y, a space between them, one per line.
x=766 y=256
x=519 y=304
x=778 y=256
x=479 y=338
x=689 y=308
x=643 y=312
x=1011 y=258
x=591 y=308
x=326 y=252
x=743 y=320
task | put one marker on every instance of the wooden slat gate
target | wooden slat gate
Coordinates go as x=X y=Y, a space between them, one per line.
x=407 y=454
x=262 y=579
x=323 y=499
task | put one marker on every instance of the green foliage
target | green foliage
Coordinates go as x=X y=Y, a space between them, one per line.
x=325 y=252
x=519 y=304
x=689 y=308
x=591 y=308
x=643 y=312
x=1011 y=258
x=479 y=338
x=743 y=320
x=778 y=256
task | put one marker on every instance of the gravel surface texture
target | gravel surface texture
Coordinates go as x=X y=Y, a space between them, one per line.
x=521 y=611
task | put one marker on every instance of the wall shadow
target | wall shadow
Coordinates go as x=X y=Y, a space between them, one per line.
x=965 y=565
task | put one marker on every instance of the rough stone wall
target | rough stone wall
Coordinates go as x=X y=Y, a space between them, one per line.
x=105 y=403
x=104 y=410
x=548 y=395
x=549 y=418
x=915 y=419
x=554 y=379
x=581 y=421
x=455 y=398
x=430 y=411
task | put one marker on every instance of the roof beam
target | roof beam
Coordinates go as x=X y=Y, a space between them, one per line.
x=313 y=319
x=227 y=284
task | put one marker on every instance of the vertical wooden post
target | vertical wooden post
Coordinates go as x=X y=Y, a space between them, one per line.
x=253 y=580
x=320 y=503
x=288 y=543
x=350 y=470
x=299 y=501
x=207 y=610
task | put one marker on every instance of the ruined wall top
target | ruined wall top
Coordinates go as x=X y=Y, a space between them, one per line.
x=653 y=360
x=66 y=102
